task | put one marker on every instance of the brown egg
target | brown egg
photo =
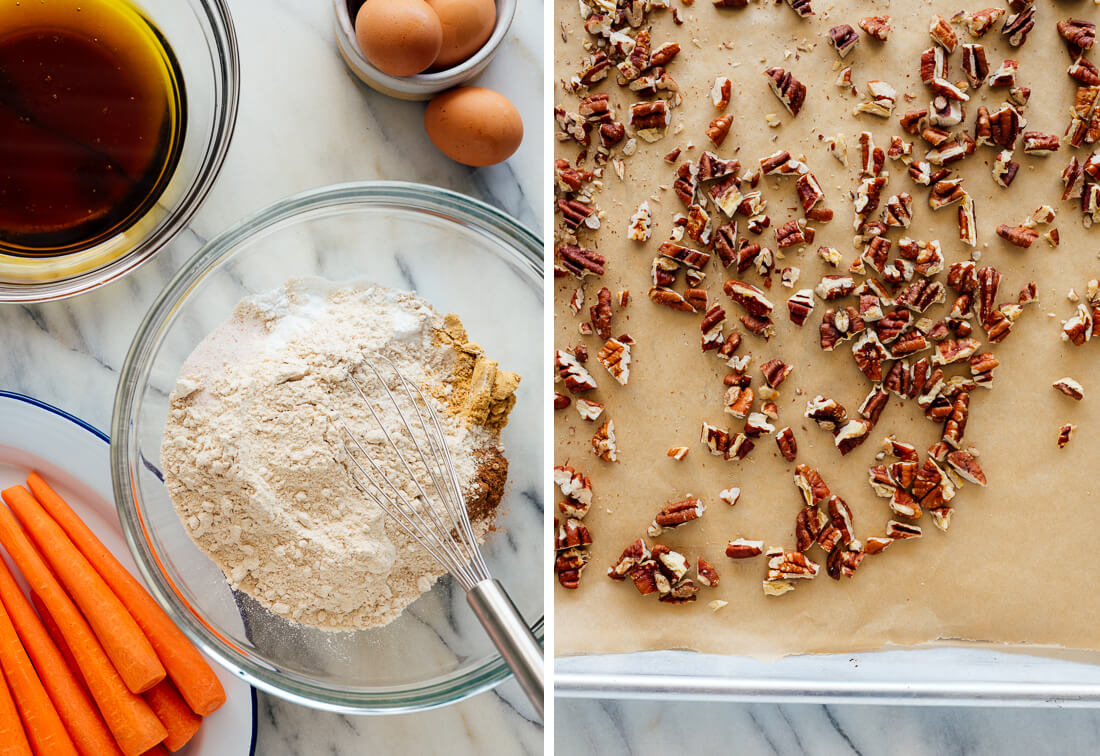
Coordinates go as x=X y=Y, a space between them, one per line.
x=399 y=37
x=467 y=26
x=473 y=125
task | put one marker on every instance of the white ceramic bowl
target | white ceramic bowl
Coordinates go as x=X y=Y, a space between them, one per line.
x=420 y=86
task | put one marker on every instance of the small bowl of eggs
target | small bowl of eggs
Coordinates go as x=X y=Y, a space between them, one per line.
x=428 y=49
x=414 y=49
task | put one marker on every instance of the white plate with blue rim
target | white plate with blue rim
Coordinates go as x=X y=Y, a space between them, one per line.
x=73 y=457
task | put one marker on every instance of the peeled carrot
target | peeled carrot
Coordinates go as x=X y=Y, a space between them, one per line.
x=54 y=632
x=134 y=725
x=78 y=712
x=126 y=645
x=157 y=750
x=192 y=675
x=13 y=740
x=174 y=714
x=41 y=722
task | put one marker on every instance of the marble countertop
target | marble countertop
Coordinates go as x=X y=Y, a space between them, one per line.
x=614 y=728
x=303 y=122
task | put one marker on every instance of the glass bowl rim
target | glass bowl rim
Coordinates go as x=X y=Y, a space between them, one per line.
x=221 y=32
x=527 y=250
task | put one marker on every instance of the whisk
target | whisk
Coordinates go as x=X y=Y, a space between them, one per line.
x=436 y=517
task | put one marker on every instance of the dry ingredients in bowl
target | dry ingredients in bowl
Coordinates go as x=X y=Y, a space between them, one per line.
x=253 y=448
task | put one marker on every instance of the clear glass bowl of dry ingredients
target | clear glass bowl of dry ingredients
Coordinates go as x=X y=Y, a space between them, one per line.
x=106 y=155
x=463 y=257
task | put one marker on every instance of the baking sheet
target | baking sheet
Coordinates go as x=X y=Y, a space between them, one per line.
x=1017 y=563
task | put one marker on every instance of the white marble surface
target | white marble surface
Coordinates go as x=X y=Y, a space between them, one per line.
x=618 y=728
x=304 y=121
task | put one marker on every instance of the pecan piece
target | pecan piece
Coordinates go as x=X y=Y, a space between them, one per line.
x=603 y=442
x=787 y=444
x=775 y=372
x=706 y=573
x=670 y=298
x=966 y=466
x=1070 y=388
x=876 y=26
x=743 y=548
x=975 y=65
x=720 y=92
x=900 y=531
x=810 y=483
x=561 y=401
x=719 y=129
x=790 y=91
x=580 y=261
x=572 y=534
x=827 y=413
x=588 y=409
x=633 y=555
x=575 y=376
x=1079 y=35
x=615 y=356
x=1018 y=26
x=981 y=21
x=1038 y=143
x=1064 y=434
x=943 y=34
x=749 y=297
x=872 y=406
x=843 y=39
x=801 y=7
x=1020 y=236
x=568 y=565
x=800 y=305
x=650 y=119
x=600 y=313
x=852 y=434
x=675 y=514
x=791 y=565
x=955 y=426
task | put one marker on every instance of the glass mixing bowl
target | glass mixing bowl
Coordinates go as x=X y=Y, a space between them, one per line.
x=463 y=257
x=200 y=33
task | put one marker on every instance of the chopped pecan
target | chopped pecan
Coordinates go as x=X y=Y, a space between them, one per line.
x=720 y=92
x=719 y=129
x=898 y=212
x=588 y=409
x=730 y=495
x=869 y=355
x=1006 y=125
x=981 y=21
x=800 y=305
x=743 y=548
x=942 y=32
x=1018 y=25
x=568 y=565
x=843 y=39
x=1078 y=329
x=738 y=401
x=955 y=426
x=603 y=442
x=576 y=378
x=686 y=256
x=615 y=356
x=711 y=327
x=801 y=7
x=1020 y=236
x=975 y=65
x=793 y=233
x=561 y=401
x=791 y=565
x=641 y=223
x=572 y=534
x=790 y=91
x=696 y=298
x=787 y=444
x=835 y=287
x=706 y=573
x=933 y=65
x=675 y=514
x=900 y=531
x=1084 y=71
x=1079 y=35
x=912 y=120
x=968 y=224
x=749 y=297
x=954 y=350
x=810 y=483
x=852 y=434
x=633 y=555
x=677 y=452
x=757 y=425
x=775 y=372
x=1070 y=388
x=580 y=261
x=872 y=407
x=1005 y=75
x=1038 y=143
x=945 y=192
x=876 y=26
x=600 y=313
x=670 y=298
x=1064 y=434
x=882 y=98
x=650 y=119
x=809 y=525
x=715 y=439
x=966 y=466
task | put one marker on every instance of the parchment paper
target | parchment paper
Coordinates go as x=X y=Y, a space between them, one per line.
x=1019 y=562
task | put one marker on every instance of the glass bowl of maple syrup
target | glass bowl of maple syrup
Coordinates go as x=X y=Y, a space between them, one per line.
x=115 y=119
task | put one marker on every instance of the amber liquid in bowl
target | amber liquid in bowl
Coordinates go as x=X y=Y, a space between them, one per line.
x=91 y=122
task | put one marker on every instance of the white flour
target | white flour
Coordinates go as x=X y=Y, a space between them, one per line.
x=252 y=450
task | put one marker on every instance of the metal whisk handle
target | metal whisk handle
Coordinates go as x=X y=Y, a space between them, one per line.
x=512 y=637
